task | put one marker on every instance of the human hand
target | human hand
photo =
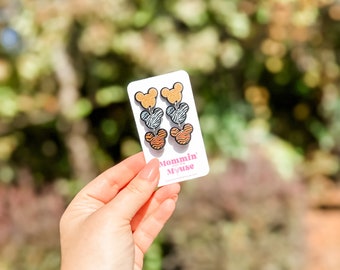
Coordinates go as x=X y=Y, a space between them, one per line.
x=113 y=220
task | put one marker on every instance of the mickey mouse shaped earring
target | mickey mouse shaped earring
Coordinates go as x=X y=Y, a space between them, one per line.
x=177 y=112
x=152 y=118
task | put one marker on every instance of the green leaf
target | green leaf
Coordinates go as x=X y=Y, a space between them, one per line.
x=111 y=94
x=8 y=102
x=81 y=109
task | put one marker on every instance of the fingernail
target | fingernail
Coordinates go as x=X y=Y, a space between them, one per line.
x=175 y=197
x=150 y=171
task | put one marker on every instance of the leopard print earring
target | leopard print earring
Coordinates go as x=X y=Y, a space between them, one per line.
x=177 y=112
x=152 y=118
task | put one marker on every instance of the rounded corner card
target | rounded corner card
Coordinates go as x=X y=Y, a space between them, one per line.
x=168 y=126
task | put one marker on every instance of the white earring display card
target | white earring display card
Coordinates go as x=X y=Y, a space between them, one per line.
x=168 y=126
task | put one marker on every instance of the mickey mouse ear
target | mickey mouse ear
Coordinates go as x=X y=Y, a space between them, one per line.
x=149 y=136
x=174 y=131
x=178 y=86
x=153 y=92
x=139 y=96
x=188 y=128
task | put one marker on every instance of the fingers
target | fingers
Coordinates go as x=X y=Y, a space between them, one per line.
x=106 y=186
x=130 y=199
x=149 y=221
x=163 y=193
x=150 y=227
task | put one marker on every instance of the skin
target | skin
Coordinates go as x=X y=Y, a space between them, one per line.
x=113 y=220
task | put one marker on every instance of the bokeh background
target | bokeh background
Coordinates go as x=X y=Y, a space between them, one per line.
x=265 y=76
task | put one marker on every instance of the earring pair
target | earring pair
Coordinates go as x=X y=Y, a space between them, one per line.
x=176 y=112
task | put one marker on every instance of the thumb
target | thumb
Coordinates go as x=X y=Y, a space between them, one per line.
x=131 y=198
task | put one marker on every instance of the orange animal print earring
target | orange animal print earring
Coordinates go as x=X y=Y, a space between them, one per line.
x=152 y=118
x=177 y=112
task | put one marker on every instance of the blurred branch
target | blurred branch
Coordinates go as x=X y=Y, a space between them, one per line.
x=75 y=133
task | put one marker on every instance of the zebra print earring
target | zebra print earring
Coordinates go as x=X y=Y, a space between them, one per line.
x=177 y=112
x=152 y=118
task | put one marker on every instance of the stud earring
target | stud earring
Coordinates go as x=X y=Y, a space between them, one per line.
x=152 y=118
x=177 y=112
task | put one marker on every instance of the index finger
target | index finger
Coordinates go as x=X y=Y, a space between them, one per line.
x=106 y=186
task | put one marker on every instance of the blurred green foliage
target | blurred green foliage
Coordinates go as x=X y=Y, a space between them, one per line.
x=257 y=67
x=65 y=65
